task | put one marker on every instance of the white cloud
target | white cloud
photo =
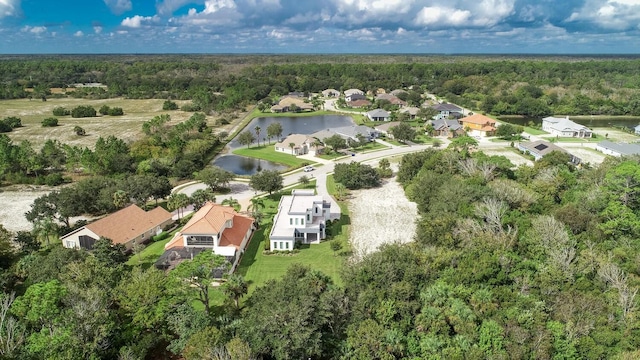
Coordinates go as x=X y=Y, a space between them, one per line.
x=97 y=29
x=609 y=14
x=34 y=29
x=441 y=16
x=138 y=21
x=9 y=8
x=167 y=7
x=78 y=34
x=118 y=6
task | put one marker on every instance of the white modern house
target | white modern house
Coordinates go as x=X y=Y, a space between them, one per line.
x=565 y=128
x=301 y=218
x=350 y=92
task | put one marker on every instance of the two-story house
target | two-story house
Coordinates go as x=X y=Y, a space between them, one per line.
x=447 y=111
x=478 y=125
x=215 y=228
x=301 y=218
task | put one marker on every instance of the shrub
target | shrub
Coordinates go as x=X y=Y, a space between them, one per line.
x=4 y=127
x=169 y=105
x=104 y=110
x=163 y=235
x=83 y=111
x=356 y=176
x=50 y=122
x=116 y=111
x=79 y=131
x=13 y=121
x=60 y=111
x=54 y=179
x=190 y=107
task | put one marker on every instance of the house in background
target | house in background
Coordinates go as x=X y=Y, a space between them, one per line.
x=354 y=97
x=541 y=148
x=565 y=128
x=359 y=103
x=447 y=127
x=330 y=93
x=478 y=125
x=349 y=92
x=618 y=149
x=411 y=110
x=286 y=103
x=446 y=111
x=214 y=228
x=298 y=144
x=384 y=128
x=394 y=100
x=301 y=218
x=352 y=132
x=378 y=115
x=127 y=226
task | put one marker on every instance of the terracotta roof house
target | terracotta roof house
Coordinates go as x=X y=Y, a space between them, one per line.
x=353 y=91
x=447 y=127
x=618 y=149
x=126 y=226
x=284 y=105
x=330 y=93
x=541 y=148
x=378 y=115
x=359 y=103
x=215 y=228
x=302 y=144
x=301 y=218
x=478 y=125
x=565 y=127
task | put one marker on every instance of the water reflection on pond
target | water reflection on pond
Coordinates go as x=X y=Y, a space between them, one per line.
x=245 y=166
x=290 y=125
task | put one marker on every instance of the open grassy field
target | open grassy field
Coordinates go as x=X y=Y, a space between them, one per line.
x=127 y=127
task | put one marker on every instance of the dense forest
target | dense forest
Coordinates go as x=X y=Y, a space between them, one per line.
x=499 y=85
x=532 y=262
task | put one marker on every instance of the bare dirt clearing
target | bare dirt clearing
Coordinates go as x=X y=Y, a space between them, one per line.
x=381 y=216
x=127 y=127
x=13 y=205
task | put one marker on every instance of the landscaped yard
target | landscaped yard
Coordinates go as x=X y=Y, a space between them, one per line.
x=147 y=257
x=268 y=152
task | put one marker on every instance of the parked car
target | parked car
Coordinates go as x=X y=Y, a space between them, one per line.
x=308 y=168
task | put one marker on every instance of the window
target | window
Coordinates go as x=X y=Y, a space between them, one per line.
x=287 y=244
x=275 y=244
x=308 y=217
x=71 y=244
x=301 y=221
x=281 y=246
x=296 y=221
x=290 y=221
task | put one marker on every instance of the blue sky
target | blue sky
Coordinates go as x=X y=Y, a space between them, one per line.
x=325 y=26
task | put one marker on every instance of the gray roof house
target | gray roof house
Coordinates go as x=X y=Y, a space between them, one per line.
x=378 y=115
x=565 y=127
x=330 y=93
x=353 y=91
x=447 y=127
x=618 y=149
x=384 y=128
x=354 y=97
x=301 y=218
x=541 y=148
x=446 y=110
x=347 y=132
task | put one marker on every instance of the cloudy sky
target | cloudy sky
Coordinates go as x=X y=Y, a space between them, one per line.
x=320 y=26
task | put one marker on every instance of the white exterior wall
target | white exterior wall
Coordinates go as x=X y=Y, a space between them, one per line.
x=607 y=151
x=281 y=245
x=73 y=241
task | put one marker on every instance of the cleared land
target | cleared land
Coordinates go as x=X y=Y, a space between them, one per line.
x=127 y=127
x=14 y=203
x=380 y=216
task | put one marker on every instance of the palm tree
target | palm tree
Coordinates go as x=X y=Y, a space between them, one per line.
x=292 y=145
x=257 y=130
x=120 y=199
x=177 y=201
x=235 y=287
x=44 y=228
x=232 y=202
x=256 y=206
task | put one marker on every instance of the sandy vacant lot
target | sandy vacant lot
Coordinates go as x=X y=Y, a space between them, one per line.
x=13 y=205
x=381 y=216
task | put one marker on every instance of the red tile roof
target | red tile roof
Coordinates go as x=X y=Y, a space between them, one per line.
x=478 y=119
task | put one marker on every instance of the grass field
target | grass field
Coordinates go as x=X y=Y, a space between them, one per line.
x=127 y=127
x=147 y=257
x=257 y=113
x=268 y=152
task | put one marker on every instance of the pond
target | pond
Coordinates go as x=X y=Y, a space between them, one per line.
x=618 y=122
x=290 y=125
x=241 y=165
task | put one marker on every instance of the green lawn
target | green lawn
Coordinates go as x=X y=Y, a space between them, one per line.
x=371 y=146
x=257 y=113
x=534 y=131
x=268 y=152
x=150 y=254
x=423 y=139
x=597 y=138
x=393 y=141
